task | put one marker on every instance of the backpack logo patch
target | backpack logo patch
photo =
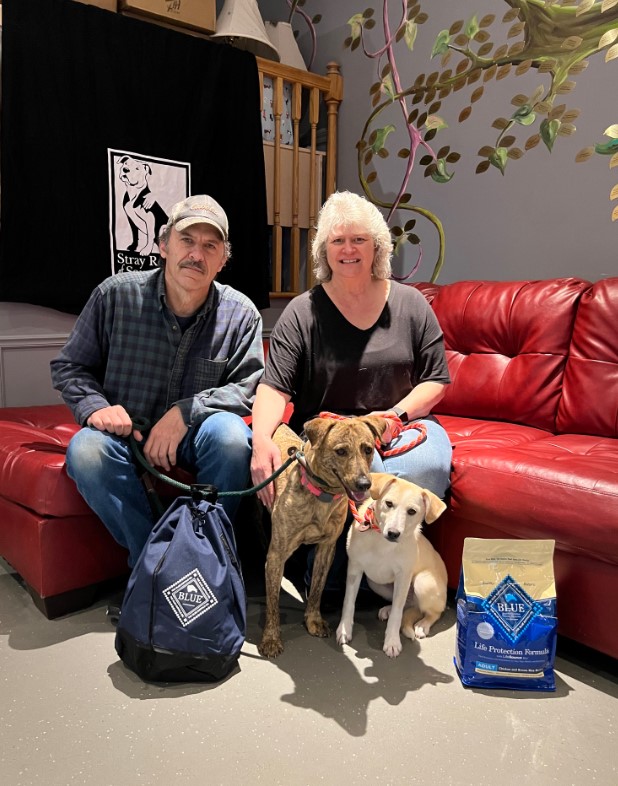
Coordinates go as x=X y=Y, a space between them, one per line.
x=190 y=597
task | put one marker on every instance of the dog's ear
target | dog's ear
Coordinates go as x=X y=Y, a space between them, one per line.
x=317 y=429
x=376 y=423
x=380 y=482
x=434 y=507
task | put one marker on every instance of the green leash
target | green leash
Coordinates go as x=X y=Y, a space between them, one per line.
x=198 y=490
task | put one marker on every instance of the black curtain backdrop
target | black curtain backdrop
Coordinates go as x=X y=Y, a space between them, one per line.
x=77 y=80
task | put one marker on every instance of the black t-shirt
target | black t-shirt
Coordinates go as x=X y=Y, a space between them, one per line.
x=325 y=363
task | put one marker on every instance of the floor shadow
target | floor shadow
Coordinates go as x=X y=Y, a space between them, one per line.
x=356 y=674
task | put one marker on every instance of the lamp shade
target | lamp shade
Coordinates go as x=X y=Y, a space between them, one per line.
x=240 y=24
x=282 y=38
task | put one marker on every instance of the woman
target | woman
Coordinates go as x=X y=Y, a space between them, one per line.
x=357 y=343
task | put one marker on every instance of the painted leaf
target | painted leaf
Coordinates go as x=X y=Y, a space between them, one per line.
x=441 y=43
x=607 y=4
x=485 y=151
x=440 y=175
x=523 y=67
x=549 y=130
x=515 y=30
x=356 y=26
x=615 y=214
x=499 y=158
x=387 y=87
x=483 y=166
x=607 y=148
x=608 y=38
x=612 y=53
x=519 y=100
x=613 y=161
x=399 y=241
x=472 y=27
x=487 y=20
x=566 y=129
x=380 y=137
x=532 y=141
x=435 y=122
x=611 y=131
x=411 y=30
x=571 y=43
x=584 y=6
x=524 y=115
x=584 y=155
x=515 y=153
x=477 y=94
x=613 y=194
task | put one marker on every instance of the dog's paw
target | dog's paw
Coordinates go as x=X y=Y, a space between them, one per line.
x=392 y=648
x=344 y=634
x=384 y=613
x=420 y=632
x=318 y=627
x=270 y=648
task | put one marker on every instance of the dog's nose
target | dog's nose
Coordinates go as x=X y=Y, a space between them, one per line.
x=393 y=535
x=363 y=484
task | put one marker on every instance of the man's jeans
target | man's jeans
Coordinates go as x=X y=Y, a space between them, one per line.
x=102 y=465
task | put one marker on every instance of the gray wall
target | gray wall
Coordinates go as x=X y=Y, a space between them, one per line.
x=547 y=216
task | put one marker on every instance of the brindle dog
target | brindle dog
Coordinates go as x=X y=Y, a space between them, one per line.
x=312 y=509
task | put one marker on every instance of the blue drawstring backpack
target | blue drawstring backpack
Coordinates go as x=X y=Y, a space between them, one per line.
x=183 y=618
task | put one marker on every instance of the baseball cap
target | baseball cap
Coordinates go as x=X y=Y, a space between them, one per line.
x=199 y=209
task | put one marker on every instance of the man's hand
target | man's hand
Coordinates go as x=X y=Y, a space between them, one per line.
x=163 y=440
x=114 y=419
x=265 y=460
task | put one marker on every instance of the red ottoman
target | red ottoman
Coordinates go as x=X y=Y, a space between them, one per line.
x=47 y=532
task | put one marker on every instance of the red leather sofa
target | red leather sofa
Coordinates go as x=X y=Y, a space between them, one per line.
x=532 y=412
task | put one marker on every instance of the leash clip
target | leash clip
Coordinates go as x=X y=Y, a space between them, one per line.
x=204 y=491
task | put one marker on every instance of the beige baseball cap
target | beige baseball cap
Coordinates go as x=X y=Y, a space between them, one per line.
x=199 y=209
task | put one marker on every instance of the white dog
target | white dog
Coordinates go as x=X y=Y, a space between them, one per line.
x=400 y=563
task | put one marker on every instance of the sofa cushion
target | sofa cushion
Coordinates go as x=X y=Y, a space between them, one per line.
x=506 y=346
x=470 y=434
x=32 y=471
x=563 y=487
x=589 y=402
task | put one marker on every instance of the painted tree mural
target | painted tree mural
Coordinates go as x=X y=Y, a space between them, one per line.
x=553 y=38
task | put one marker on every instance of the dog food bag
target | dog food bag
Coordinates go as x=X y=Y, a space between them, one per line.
x=506 y=615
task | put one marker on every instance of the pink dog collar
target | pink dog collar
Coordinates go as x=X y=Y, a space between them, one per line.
x=323 y=496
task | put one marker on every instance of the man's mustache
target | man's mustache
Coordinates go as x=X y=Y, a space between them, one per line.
x=193 y=265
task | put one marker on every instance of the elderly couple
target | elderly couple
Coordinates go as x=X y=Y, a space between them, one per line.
x=179 y=349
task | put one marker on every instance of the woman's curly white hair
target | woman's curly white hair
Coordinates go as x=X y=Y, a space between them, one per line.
x=344 y=209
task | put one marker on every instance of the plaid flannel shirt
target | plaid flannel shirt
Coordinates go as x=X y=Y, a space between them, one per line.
x=127 y=348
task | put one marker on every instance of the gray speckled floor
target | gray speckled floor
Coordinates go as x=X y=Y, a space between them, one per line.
x=70 y=713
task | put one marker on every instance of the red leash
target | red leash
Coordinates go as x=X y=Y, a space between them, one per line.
x=397 y=428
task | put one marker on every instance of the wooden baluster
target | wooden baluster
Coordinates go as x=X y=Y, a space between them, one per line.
x=333 y=98
x=277 y=240
x=315 y=188
x=295 y=235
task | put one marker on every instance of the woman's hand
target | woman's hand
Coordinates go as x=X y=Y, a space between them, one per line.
x=265 y=460
x=389 y=432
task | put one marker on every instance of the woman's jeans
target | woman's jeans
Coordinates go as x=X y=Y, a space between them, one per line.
x=102 y=465
x=428 y=465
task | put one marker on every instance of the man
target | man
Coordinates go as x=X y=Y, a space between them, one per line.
x=172 y=346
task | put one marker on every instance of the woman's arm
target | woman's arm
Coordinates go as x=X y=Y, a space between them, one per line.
x=417 y=404
x=422 y=399
x=268 y=411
